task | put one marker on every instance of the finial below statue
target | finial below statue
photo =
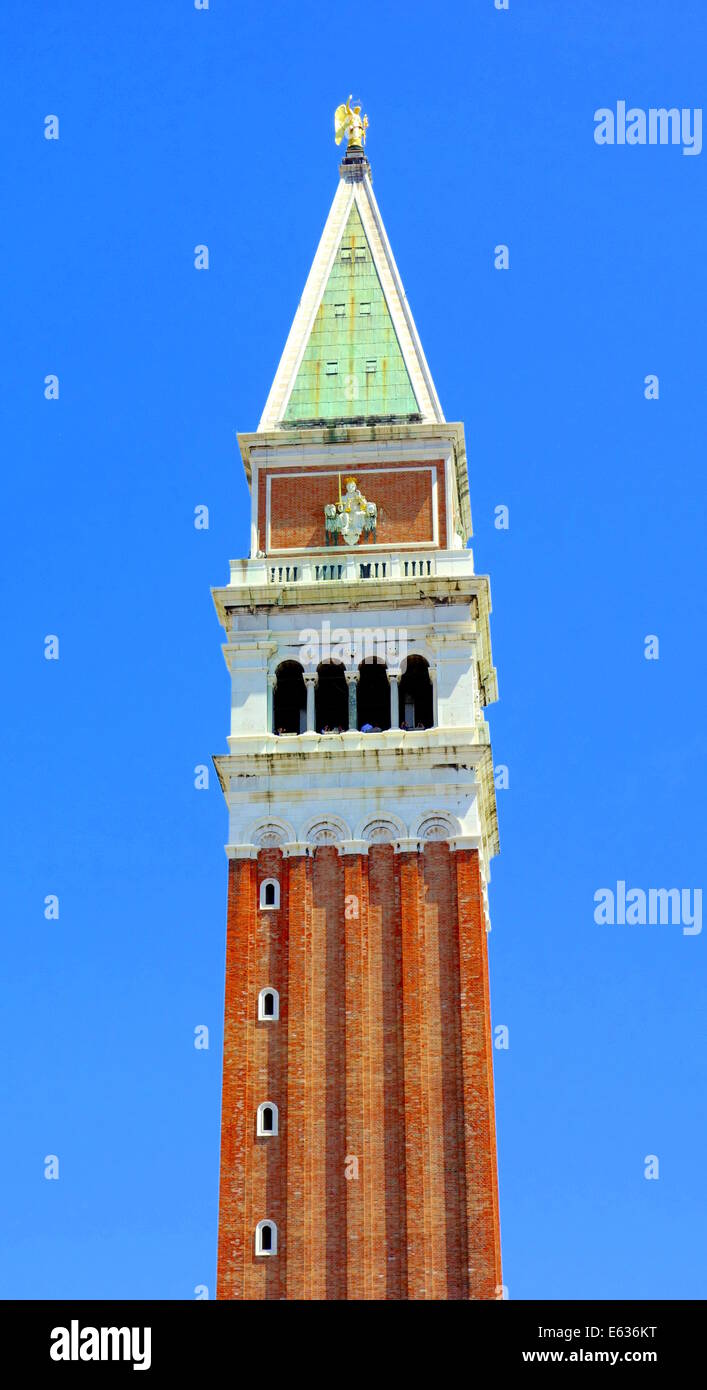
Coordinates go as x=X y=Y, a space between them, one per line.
x=348 y=121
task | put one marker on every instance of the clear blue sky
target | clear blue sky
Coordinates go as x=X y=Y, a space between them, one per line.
x=179 y=127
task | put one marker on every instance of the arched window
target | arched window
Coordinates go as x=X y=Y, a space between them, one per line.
x=270 y=893
x=267 y=1119
x=266 y=1238
x=373 y=694
x=415 y=697
x=290 y=699
x=331 y=701
x=268 y=1005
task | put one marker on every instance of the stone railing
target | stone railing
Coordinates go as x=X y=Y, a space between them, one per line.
x=352 y=567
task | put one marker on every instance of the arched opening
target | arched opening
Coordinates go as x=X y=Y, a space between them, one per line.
x=266 y=1238
x=268 y=1005
x=373 y=695
x=270 y=893
x=331 y=698
x=415 y=698
x=289 y=699
x=267 y=1120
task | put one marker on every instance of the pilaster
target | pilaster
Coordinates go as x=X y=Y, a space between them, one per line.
x=235 y=1234
x=483 y=1237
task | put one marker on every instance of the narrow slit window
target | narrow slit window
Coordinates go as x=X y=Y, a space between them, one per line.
x=267 y=1120
x=268 y=1005
x=270 y=894
x=266 y=1238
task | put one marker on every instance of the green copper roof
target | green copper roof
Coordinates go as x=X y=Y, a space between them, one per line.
x=352 y=365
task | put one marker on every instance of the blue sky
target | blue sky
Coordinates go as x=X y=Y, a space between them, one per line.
x=180 y=127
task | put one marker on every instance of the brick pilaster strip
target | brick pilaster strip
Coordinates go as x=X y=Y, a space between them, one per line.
x=388 y=1226
x=332 y=886
x=493 y=1150
x=316 y=1208
x=357 y=1087
x=415 y=1077
x=443 y=969
x=272 y=1059
x=483 y=1253
x=233 y=1235
x=382 y=1240
x=298 y=1178
x=434 y=875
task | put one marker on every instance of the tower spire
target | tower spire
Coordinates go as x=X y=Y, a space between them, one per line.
x=353 y=353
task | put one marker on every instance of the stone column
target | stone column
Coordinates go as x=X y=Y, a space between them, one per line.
x=478 y=717
x=393 y=681
x=351 y=681
x=310 y=680
x=272 y=682
x=435 y=706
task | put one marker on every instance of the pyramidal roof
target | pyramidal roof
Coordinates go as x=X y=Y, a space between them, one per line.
x=353 y=353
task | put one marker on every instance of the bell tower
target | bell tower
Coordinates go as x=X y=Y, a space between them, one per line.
x=358 y=1153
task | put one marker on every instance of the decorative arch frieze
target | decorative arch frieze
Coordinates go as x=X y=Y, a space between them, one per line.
x=326 y=830
x=437 y=825
x=382 y=829
x=272 y=833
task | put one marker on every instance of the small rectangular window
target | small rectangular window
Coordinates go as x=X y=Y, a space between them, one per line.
x=332 y=368
x=360 y=253
x=371 y=364
x=339 y=310
x=346 y=253
x=365 y=308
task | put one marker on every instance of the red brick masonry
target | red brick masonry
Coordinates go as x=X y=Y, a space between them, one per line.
x=402 y=492
x=382 y=1053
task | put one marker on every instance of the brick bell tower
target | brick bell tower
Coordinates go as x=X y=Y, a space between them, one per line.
x=358 y=1154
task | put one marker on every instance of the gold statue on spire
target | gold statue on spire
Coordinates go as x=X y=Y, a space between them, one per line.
x=348 y=121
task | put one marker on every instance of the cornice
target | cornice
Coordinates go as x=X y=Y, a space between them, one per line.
x=361 y=593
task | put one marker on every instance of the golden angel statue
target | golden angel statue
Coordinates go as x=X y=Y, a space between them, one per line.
x=348 y=121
